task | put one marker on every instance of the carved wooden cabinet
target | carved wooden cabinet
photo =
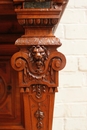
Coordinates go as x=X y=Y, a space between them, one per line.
x=29 y=63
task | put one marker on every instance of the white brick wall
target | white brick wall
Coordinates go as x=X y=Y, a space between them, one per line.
x=70 y=112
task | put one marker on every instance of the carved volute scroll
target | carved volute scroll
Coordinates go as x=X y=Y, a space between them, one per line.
x=38 y=62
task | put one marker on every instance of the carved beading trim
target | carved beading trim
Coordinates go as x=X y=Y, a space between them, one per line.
x=35 y=16
x=36 y=22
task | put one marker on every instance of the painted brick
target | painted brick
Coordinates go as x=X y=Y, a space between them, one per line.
x=73 y=47
x=59 y=110
x=71 y=95
x=80 y=3
x=70 y=79
x=79 y=47
x=82 y=63
x=76 y=124
x=58 y=124
x=74 y=16
x=75 y=110
x=85 y=79
x=70 y=110
x=67 y=47
x=71 y=4
x=76 y=31
x=60 y=31
x=85 y=17
x=59 y=96
x=71 y=64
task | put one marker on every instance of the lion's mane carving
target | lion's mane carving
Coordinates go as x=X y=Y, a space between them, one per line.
x=38 y=55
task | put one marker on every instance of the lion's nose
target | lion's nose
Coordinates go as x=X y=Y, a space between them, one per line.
x=38 y=55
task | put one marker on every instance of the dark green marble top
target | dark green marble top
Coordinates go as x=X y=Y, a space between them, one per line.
x=35 y=4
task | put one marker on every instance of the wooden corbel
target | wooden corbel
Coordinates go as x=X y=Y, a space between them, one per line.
x=38 y=62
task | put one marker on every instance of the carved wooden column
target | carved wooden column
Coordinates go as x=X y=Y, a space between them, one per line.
x=38 y=62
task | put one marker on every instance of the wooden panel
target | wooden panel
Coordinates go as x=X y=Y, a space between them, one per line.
x=10 y=111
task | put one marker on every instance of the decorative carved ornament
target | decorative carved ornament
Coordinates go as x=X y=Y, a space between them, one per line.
x=38 y=65
x=39 y=89
x=39 y=115
x=38 y=55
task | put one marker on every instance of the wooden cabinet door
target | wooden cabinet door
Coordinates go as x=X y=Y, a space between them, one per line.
x=10 y=106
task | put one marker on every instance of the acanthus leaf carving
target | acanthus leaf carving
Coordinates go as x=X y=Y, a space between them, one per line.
x=39 y=89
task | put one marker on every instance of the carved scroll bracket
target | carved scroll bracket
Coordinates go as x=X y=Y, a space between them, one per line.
x=38 y=65
x=35 y=54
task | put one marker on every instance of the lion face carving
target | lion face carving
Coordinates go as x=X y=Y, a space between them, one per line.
x=38 y=55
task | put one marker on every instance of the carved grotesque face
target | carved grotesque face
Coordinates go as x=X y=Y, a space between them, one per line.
x=38 y=55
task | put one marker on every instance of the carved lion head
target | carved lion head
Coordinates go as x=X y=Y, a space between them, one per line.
x=38 y=55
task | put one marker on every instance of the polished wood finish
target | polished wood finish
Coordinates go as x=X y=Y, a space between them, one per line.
x=29 y=70
x=10 y=30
